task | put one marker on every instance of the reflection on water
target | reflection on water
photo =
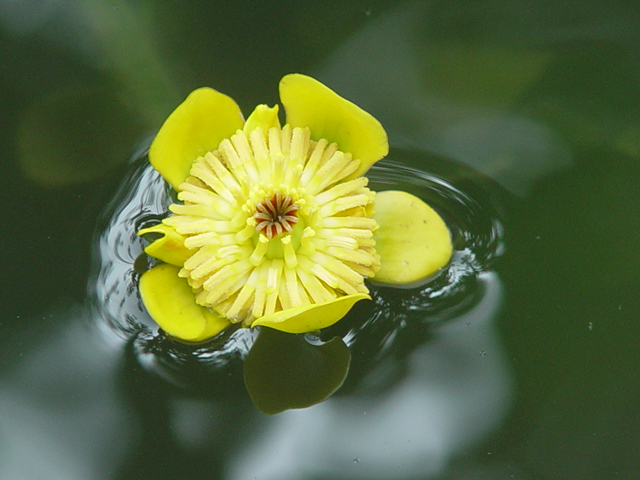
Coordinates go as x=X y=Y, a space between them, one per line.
x=64 y=131
x=66 y=405
x=62 y=416
x=458 y=82
x=454 y=391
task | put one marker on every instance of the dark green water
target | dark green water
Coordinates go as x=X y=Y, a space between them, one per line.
x=519 y=122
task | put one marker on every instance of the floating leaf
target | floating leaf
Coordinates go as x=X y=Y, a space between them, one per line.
x=284 y=371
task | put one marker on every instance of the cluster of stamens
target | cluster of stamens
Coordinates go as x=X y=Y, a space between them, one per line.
x=276 y=215
x=274 y=222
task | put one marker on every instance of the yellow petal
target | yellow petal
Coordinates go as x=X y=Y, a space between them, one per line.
x=262 y=116
x=171 y=303
x=308 y=103
x=169 y=248
x=309 y=318
x=413 y=241
x=196 y=127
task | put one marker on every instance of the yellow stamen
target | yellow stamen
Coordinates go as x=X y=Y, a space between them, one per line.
x=243 y=149
x=247 y=232
x=317 y=291
x=345 y=203
x=261 y=153
x=228 y=181
x=341 y=190
x=290 y=258
x=210 y=176
x=261 y=291
x=202 y=239
x=261 y=248
x=295 y=294
x=273 y=284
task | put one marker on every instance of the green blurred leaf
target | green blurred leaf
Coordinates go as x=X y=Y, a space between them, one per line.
x=76 y=135
x=284 y=371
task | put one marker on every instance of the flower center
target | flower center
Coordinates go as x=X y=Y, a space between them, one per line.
x=276 y=215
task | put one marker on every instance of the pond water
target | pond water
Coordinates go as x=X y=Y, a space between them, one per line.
x=518 y=122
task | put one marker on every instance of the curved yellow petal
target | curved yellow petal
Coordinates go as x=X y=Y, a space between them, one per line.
x=412 y=240
x=171 y=303
x=262 y=116
x=195 y=127
x=169 y=248
x=308 y=103
x=309 y=318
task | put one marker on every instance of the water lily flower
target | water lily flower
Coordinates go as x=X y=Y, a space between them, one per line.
x=276 y=225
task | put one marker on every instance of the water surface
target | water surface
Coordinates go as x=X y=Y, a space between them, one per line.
x=518 y=123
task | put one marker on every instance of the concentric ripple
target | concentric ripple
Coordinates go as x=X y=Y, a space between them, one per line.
x=395 y=322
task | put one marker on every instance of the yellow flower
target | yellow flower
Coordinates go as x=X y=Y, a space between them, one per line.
x=276 y=225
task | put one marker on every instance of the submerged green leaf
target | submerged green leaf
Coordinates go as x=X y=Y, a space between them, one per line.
x=284 y=371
